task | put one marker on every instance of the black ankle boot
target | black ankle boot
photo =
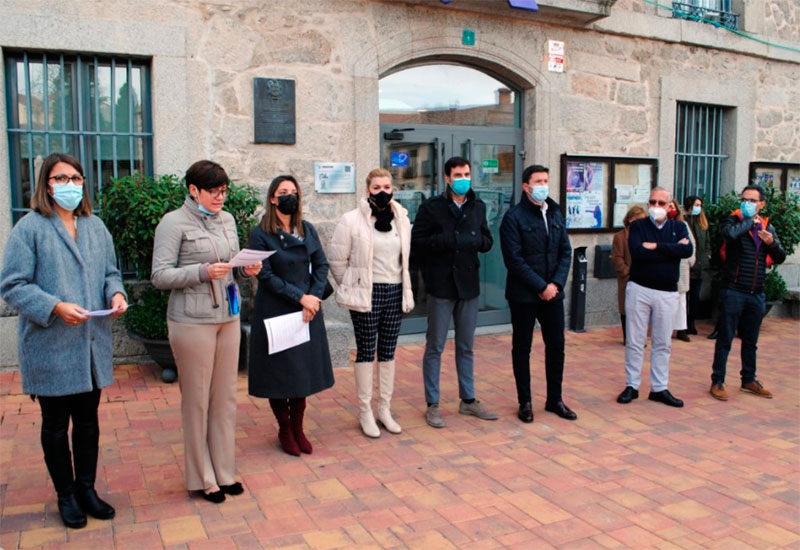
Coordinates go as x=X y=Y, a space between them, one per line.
x=94 y=505
x=71 y=513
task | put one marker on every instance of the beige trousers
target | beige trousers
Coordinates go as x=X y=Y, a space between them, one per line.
x=207 y=357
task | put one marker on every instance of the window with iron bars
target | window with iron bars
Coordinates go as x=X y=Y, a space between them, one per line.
x=715 y=12
x=699 y=149
x=94 y=108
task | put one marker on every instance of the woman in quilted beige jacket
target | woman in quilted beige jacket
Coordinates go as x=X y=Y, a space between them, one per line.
x=368 y=258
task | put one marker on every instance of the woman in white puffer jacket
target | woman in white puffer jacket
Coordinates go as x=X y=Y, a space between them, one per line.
x=368 y=256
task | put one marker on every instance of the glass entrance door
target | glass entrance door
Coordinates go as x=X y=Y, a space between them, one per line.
x=416 y=157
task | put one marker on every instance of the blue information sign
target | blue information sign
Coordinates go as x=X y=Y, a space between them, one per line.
x=399 y=159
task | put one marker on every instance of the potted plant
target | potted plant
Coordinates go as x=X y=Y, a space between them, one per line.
x=132 y=207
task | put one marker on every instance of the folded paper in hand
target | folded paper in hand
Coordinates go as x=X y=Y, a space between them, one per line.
x=286 y=331
x=248 y=256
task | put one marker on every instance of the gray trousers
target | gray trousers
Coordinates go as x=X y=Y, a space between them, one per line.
x=465 y=317
x=657 y=308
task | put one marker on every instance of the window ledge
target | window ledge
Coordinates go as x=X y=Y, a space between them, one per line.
x=576 y=13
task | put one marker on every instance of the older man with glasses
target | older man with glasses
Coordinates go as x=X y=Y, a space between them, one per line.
x=657 y=245
x=750 y=244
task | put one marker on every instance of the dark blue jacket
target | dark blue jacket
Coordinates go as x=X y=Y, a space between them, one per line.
x=445 y=242
x=744 y=268
x=658 y=269
x=534 y=256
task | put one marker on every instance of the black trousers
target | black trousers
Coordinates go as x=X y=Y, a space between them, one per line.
x=551 y=320
x=57 y=412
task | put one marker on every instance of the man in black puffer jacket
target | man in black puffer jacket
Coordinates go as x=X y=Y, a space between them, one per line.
x=536 y=251
x=749 y=241
x=448 y=233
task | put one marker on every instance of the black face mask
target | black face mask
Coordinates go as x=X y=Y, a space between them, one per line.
x=381 y=200
x=287 y=204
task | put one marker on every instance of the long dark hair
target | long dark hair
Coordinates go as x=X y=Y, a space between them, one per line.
x=42 y=202
x=270 y=222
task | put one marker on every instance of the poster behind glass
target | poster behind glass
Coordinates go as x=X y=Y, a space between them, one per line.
x=793 y=181
x=586 y=193
x=632 y=185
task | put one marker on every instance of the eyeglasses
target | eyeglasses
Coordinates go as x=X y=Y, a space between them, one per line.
x=654 y=202
x=217 y=193
x=751 y=201
x=61 y=179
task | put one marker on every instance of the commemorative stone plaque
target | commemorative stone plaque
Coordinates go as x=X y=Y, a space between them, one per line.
x=274 y=110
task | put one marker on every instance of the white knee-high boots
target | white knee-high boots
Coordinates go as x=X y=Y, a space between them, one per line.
x=385 y=390
x=364 y=389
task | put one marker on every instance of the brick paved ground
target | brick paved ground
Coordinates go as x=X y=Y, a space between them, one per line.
x=713 y=474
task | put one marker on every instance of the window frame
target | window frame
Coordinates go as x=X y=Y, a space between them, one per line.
x=782 y=169
x=80 y=131
x=691 y=157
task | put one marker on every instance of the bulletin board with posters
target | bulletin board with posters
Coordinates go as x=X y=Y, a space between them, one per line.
x=781 y=175
x=597 y=191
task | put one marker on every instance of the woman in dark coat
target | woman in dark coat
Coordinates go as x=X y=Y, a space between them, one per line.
x=293 y=279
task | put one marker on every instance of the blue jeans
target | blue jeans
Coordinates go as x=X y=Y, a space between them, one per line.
x=742 y=311
x=465 y=317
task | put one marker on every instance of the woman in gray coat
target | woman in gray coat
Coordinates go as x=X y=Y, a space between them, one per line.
x=293 y=279
x=59 y=266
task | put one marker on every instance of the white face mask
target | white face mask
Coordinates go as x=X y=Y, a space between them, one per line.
x=657 y=213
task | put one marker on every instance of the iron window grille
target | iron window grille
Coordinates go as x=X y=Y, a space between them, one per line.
x=699 y=149
x=94 y=108
x=714 y=12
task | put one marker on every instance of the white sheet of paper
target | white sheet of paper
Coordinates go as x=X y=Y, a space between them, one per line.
x=99 y=312
x=286 y=331
x=247 y=256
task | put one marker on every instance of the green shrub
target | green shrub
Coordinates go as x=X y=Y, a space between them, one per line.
x=131 y=208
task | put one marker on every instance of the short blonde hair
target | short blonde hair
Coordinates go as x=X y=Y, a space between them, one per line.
x=378 y=173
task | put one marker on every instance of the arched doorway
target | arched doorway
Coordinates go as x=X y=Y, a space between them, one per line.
x=429 y=113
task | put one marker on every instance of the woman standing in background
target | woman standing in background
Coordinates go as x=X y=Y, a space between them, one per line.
x=621 y=260
x=695 y=217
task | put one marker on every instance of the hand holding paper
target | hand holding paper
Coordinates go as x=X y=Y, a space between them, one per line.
x=247 y=256
x=286 y=331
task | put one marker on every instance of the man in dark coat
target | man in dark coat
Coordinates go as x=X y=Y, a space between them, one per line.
x=657 y=245
x=749 y=241
x=449 y=232
x=536 y=251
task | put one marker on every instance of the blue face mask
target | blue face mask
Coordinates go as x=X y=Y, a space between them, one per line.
x=460 y=186
x=696 y=210
x=204 y=210
x=748 y=209
x=539 y=193
x=68 y=196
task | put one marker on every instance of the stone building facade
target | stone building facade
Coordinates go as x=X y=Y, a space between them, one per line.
x=627 y=65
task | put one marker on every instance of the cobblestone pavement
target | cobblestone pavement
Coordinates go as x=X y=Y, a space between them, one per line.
x=712 y=474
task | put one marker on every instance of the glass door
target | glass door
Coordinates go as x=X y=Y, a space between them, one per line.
x=416 y=156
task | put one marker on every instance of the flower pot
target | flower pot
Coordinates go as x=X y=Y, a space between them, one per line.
x=161 y=352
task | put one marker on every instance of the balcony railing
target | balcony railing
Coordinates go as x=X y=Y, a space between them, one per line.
x=714 y=12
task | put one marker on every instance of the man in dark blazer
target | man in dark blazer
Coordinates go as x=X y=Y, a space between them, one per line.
x=536 y=251
x=449 y=232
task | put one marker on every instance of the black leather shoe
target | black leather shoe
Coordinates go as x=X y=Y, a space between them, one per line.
x=628 y=395
x=94 y=505
x=665 y=397
x=71 y=513
x=216 y=497
x=234 y=489
x=561 y=410
x=525 y=413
